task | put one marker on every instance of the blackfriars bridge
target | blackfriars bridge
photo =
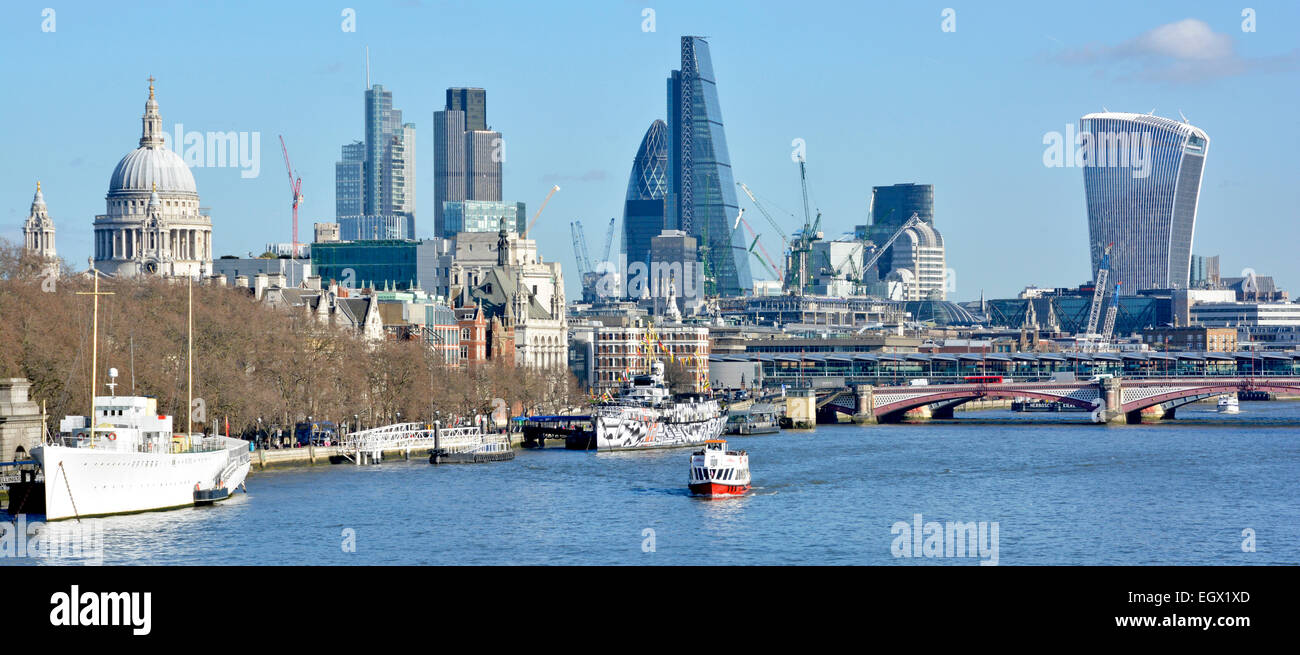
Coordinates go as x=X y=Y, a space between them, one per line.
x=1109 y=399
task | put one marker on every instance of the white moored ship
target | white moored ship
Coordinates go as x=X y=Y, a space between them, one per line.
x=131 y=461
x=646 y=415
x=125 y=458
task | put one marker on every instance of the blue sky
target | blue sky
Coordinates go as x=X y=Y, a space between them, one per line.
x=878 y=91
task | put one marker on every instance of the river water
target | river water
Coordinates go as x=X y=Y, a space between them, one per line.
x=1060 y=491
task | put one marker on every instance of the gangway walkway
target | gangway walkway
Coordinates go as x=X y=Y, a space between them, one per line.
x=370 y=445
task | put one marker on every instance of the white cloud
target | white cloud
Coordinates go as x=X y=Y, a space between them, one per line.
x=1188 y=50
x=1188 y=39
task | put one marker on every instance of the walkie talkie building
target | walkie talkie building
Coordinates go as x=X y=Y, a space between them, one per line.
x=1142 y=180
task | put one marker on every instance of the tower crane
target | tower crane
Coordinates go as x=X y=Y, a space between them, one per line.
x=539 y=212
x=777 y=226
x=1103 y=272
x=295 y=187
x=1111 y=312
x=766 y=264
x=802 y=248
x=766 y=259
x=580 y=247
x=609 y=240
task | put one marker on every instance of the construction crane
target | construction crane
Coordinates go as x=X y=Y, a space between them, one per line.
x=769 y=266
x=295 y=187
x=777 y=226
x=801 y=250
x=1103 y=272
x=911 y=221
x=609 y=240
x=1111 y=312
x=580 y=247
x=766 y=259
x=539 y=212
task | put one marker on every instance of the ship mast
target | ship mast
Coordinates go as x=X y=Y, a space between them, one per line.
x=94 y=345
x=189 y=358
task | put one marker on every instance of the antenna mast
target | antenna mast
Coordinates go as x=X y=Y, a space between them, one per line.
x=94 y=345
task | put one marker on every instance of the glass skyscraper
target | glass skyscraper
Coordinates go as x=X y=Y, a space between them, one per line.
x=374 y=183
x=643 y=210
x=483 y=216
x=473 y=102
x=1142 y=181
x=702 y=193
x=891 y=206
x=467 y=156
x=349 y=176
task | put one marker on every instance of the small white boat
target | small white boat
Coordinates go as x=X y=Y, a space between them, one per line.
x=1228 y=404
x=716 y=471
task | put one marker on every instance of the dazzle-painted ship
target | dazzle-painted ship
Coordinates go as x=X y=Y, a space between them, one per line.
x=646 y=415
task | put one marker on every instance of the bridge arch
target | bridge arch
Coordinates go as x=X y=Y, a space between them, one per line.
x=893 y=412
x=1185 y=395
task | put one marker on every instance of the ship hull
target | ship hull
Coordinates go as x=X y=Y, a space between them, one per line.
x=81 y=482
x=648 y=432
x=717 y=490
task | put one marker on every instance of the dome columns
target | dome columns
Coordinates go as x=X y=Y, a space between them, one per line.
x=153 y=224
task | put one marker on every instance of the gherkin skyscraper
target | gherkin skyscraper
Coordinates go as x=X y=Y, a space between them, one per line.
x=643 y=210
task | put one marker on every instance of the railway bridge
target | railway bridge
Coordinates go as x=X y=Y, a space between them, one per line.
x=1110 y=399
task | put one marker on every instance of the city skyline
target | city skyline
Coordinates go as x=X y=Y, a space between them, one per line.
x=1056 y=68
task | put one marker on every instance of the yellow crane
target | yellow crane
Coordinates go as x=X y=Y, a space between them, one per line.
x=539 y=211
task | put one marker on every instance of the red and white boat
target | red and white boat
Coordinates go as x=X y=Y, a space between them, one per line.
x=716 y=471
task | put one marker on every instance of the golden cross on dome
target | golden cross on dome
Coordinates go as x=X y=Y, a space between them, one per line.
x=151 y=81
x=38 y=185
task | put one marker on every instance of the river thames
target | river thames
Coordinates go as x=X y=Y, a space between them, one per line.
x=1189 y=491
